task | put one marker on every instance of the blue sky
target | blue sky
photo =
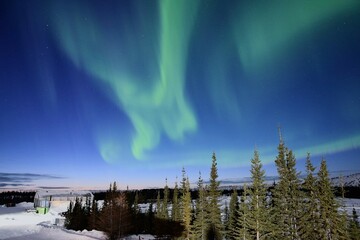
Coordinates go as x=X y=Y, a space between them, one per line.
x=132 y=91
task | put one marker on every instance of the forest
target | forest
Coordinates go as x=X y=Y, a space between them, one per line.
x=290 y=209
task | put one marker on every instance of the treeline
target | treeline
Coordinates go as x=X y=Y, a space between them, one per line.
x=347 y=191
x=149 y=195
x=292 y=209
x=146 y=195
x=120 y=216
x=11 y=198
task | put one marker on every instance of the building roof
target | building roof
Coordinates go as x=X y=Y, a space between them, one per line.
x=62 y=193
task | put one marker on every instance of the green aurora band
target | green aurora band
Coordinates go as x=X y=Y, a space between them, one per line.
x=270 y=28
x=155 y=109
x=155 y=100
x=264 y=34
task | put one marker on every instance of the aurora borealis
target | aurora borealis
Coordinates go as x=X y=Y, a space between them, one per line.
x=131 y=91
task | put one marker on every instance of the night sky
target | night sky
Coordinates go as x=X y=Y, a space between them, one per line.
x=132 y=91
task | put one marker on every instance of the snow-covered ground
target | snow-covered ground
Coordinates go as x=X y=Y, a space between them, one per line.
x=349 y=204
x=22 y=223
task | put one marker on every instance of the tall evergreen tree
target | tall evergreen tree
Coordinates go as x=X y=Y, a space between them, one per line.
x=136 y=203
x=233 y=216
x=200 y=224
x=165 y=202
x=115 y=216
x=242 y=230
x=225 y=219
x=94 y=214
x=137 y=218
x=186 y=203
x=182 y=190
x=287 y=195
x=175 y=210
x=158 y=205
x=149 y=224
x=309 y=221
x=333 y=223
x=259 y=215
x=215 y=225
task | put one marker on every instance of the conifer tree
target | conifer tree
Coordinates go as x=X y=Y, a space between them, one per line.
x=309 y=222
x=225 y=219
x=79 y=219
x=186 y=203
x=164 y=205
x=182 y=190
x=136 y=203
x=158 y=205
x=122 y=216
x=215 y=225
x=233 y=216
x=149 y=225
x=287 y=195
x=175 y=210
x=115 y=217
x=333 y=223
x=69 y=216
x=137 y=219
x=94 y=214
x=200 y=223
x=114 y=191
x=107 y=196
x=259 y=215
x=242 y=230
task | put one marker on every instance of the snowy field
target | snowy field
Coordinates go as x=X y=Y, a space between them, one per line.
x=22 y=223
x=349 y=204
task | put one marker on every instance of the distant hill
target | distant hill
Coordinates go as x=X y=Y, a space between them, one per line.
x=348 y=180
x=352 y=180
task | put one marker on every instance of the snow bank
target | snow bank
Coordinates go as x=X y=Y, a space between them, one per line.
x=21 y=222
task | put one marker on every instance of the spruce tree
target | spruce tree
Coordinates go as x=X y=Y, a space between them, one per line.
x=94 y=214
x=137 y=219
x=215 y=225
x=115 y=216
x=309 y=221
x=69 y=216
x=233 y=216
x=200 y=224
x=175 y=210
x=259 y=215
x=186 y=203
x=333 y=223
x=225 y=219
x=278 y=197
x=136 y=208
x=164 y=205
x=149 y=225
x=158 y=205
x=107 y=216
x=79 y=217
x=242 y=230
x=182 y=190
x=287 y=195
